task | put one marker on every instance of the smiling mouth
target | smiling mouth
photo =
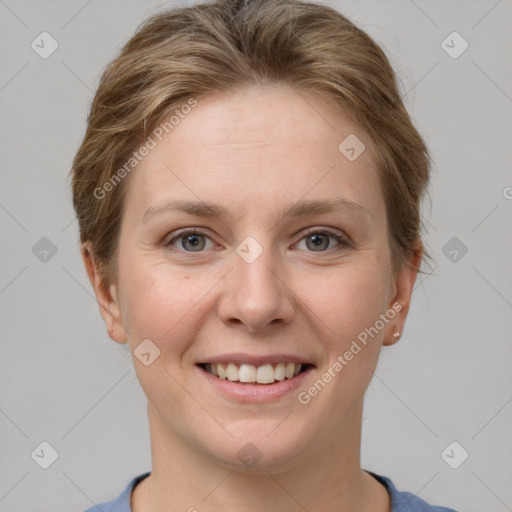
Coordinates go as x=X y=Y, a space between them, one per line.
x=251 y=374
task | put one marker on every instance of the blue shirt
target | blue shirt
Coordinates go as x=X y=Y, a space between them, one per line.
x=400 y=501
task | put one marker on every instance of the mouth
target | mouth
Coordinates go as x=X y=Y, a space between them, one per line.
x=263 y=374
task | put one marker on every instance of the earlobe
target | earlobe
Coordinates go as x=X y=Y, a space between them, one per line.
x=106 y=296
x=402 y=293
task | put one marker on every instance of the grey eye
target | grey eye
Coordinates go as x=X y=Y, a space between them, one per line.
x=189 y=241
x=194 y=242
x=317 y=242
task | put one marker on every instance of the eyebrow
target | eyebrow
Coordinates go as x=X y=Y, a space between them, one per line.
x=299 y=209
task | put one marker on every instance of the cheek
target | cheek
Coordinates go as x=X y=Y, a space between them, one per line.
x=161 y=301
x=351 y=299
x=352 y=306
x=161 y=305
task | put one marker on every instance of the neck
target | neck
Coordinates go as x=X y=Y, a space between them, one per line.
x=327 y=478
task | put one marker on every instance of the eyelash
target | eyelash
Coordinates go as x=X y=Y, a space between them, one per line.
x=343 y=242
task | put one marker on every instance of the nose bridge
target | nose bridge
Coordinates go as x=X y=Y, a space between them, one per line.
x=253 y=268
x=255 y=293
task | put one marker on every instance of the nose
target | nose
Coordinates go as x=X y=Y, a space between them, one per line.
x=256 y=295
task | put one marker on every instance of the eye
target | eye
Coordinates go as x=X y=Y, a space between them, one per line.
x=191 y=241
x=319 y=240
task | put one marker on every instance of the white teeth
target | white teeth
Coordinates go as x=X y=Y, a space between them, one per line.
x=232 y=372
x=264 y=374
x=247 y=373
x=221 y=369
x=290 y=370
x=279 y=372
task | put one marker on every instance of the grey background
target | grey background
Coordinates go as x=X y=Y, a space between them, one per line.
x=64 y=381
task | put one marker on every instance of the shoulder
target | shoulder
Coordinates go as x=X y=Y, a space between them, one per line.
x=399 y=500
x=122 y=502
x=406 y=501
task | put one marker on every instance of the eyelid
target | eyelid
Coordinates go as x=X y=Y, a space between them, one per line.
x=327 y=230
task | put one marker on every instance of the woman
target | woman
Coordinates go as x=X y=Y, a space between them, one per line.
x=248 y=192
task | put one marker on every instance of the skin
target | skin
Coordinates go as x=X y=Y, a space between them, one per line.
x=255 y=152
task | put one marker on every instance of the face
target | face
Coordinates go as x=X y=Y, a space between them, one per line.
x=265 y=275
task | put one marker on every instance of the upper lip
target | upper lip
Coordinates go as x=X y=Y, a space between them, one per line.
x=239 y=358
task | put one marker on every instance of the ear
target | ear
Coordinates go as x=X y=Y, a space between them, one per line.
x=106 y=295
x=401 y=292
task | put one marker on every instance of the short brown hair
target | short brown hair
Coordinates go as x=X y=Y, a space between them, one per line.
x=188 y=52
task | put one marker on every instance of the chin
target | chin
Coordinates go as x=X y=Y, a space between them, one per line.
x=261 y=446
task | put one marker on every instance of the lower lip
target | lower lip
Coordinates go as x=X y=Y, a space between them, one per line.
x=250 y=393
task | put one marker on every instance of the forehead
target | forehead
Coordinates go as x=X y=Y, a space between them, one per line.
x=258 y=146
x=257 y=116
